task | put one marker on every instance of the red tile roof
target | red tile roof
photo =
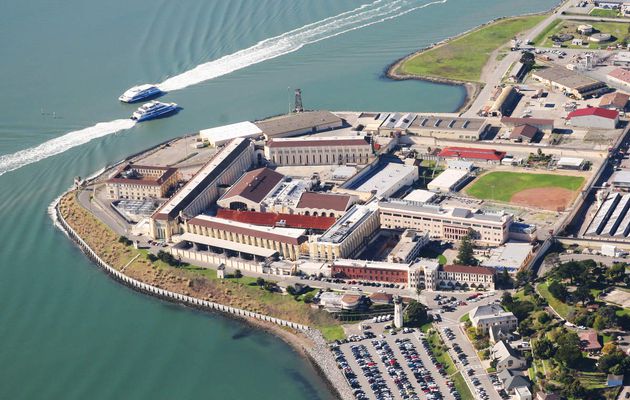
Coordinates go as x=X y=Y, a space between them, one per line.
x=467 y=269
x=588 y=340
x=616 y=99
x=589 y=111
x=273 y=219
x=621 y=74
x=324 y=201
x=255 y=185
x=225 y=225
x=381 y=297
x=471 y=153
x=527 y=131
x=316 y=143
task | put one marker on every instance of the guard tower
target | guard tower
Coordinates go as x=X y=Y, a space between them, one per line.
x=298 y=101
x=398 y=312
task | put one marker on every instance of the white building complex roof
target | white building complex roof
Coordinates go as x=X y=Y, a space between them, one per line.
x=420 y=195
x=511 y=256
x=387 y=178
x=570 y=162
x=448 y=180
x=223 y=134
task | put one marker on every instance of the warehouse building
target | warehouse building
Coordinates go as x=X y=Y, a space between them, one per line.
x=505 y=103
x=472 y=154
x=225 y=167
x=223 y=134
x=594 y=118
x=448 y=181
x=318 y=203
x=348 y=235
x=450 y=224
x=318 y=150
x=620 y=76
x=396 y=123
x=420 y=196
x=612 y=218
x=543 y=124
x=524 y=133
x=286 y=241
x=570 y=82
x=299 y=124
x=250 y=190
x=614 y=101
x=383 y=179
x=570 y=163
x=621 y=180
x=454 y=128
x=139 y=182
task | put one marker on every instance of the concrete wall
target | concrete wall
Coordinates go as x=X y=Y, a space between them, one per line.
x=161 y=293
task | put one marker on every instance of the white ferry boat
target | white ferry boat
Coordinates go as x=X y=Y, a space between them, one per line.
x=152 y=110
x=141 y=92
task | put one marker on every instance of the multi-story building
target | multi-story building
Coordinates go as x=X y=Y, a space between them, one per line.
x=139 y=182
x=450 y=224
x=408 y=247
x=227 y=165
x=348 y=235
x=465 y=277
x=251 y=189
x=323 y=204
x=301 y=123
x=286 y=241
x=318 y=150
x=484 y=317
x=453 y=128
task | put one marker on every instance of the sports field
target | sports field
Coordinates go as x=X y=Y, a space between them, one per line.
x=551 y=192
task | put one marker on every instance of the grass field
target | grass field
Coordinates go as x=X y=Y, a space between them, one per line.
x=561 y=308
x=619 y=31
x=600 y=12
x=463 y=58
x=503 y=185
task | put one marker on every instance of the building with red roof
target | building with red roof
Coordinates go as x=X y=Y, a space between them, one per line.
x=318 y=203
x=594 y=118
x=465 y=276
x=249 y=191
x=278 y=219
x=589 y=341
x=472 y=154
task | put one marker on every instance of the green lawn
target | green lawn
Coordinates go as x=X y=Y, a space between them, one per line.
x=331 y=333
x=600 y=12
x=464 y=318
x=503 y=185
x=561 y=308
x=462 y=387
x=463 y=58
x=619 y=31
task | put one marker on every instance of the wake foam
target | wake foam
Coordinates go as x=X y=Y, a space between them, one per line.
x=11 y=162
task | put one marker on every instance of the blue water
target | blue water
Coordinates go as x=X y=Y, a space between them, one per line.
x=66 y=330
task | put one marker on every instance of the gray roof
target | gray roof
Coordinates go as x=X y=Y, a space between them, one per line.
x=568 y=78
x=515 y=381
x=296 y=122
x=502 y=350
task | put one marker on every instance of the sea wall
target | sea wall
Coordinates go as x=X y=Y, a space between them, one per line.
x=165 y=294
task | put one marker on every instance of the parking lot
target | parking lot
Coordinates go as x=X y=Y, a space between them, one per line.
x=381 y=365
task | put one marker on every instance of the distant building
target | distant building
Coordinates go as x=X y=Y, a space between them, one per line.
x=570 y=163
x=543 y=124
x=572 y=83
x=223 y=134
x=320 y=223
x=327 y=204
x=139 y=182
x=594 y=118
x=385 y=179
x=622 y=58
x=620 y=76
x=449 y=180
x=420 y=195
x=487 y=316
x=318 y=150
x=250 y=190
x=506 y=357
x=453 y=128
x=589 y=341
x=608 y=3
x=466 y=277
x=408 y=247
x=473 y=154
x=510 y=256
x=299 y=124
x=614 y=101
x=524 y=133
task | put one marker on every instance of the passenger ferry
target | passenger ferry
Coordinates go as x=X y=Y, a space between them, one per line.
x=152 y=110
x=141 y=92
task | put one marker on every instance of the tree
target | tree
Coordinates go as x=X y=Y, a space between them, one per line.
x=617 y=272
x=238 y=274
x=528 y=59
x=568 y=351
x=308 y=298
x=542 y=348
x=575 y=390
x=465 y=254
x=260 y=282
x=291 y=290
x=609 y=348
x=558 y=290
x=507 y=300
x=543 y=318
x=523 y=277
x=583 y=294
x=416 y=314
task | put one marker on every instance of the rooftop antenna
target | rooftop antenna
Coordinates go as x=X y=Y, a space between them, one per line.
x=298 y=101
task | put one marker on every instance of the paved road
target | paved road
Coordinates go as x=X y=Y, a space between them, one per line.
x=451 y=320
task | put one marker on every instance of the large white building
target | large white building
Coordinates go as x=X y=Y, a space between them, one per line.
x=442 y=223
x=221 y=135
x=388 y=180
x=318 y=150
x=487 y=316
x=202 y=190
x=448 y=180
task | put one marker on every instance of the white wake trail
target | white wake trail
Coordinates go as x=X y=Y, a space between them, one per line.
x=365 y=15
x=11 y=162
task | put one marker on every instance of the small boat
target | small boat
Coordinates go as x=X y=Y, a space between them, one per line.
x=141 y=92
x=154 y=109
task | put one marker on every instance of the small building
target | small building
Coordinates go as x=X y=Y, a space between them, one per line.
x=448 y=181
x=381 y=298
x=522 y=393
x=420 y=196
x=139 y=182
x=621 y=180
x=408 y=247
x=250 y=190
x=585 y=29
x=594 y=118
x=476 y=154
x=459 y=164
x=524 y=133
x=506 y=357
x=589 y=341
x=543 y=124
x=318 y=204
x=498 y=333
x=622 y=58
x=223 y=134
x=570 y=82
x=620 y=76
x=577 y=42
x=221 y=271
x=614 y=380
x=299 y=124
x=614 y=101
x=486 y=316
x=574 y=163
